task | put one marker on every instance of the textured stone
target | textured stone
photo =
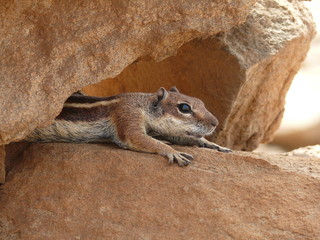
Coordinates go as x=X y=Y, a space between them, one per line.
x=270 y=46
x=242 y=75
x=309 y=151
x=77 y=191
x=2 y=164
x=50 y=49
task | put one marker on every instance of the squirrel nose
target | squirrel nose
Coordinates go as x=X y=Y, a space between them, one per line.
x=214 y=122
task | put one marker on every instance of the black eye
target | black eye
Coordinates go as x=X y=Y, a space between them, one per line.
x=184 y=108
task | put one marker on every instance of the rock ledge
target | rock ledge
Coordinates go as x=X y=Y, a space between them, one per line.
x=72 y=191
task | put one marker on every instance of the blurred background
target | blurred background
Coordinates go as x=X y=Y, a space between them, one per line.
x=301 y=122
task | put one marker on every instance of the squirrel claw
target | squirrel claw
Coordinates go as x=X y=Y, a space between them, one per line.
x=223 y=149
x=186 y=155
x=183 y=159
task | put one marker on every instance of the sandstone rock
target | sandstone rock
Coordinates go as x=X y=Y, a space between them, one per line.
x=242 y=75
x=309 y=151
x=14 y=153
x=2 y=164
x=270 y=46
x=50 y=49
x=290 y=140
x=77 y=191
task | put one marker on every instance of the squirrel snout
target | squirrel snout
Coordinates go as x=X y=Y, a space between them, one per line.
x=214 y=121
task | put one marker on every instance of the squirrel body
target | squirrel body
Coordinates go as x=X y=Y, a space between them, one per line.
x=134 y=121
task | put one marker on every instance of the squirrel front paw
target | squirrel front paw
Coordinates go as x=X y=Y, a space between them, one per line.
x=183 y=159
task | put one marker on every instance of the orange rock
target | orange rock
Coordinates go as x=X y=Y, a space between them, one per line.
x=2 y=164
x=242 y=75
x=50 y=49
x=98 y=191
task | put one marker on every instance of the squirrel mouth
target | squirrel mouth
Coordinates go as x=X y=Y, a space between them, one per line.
x=198 y=135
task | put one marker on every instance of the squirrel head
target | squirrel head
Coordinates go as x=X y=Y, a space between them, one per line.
x=182 y=115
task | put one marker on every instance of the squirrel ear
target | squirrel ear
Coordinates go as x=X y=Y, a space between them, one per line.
x=161 y=94
x=174 y=89
x=78 y=93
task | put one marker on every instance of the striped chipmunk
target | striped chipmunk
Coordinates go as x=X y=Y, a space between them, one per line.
x=136 y=121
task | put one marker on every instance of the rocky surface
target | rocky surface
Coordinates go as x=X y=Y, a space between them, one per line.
x=309 y=151
x=50 y=49
x=270 y=46
x=242 y=75
x=2 y=164
x=76 y=191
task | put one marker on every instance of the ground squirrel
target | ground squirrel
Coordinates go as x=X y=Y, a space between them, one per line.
x=134 y=121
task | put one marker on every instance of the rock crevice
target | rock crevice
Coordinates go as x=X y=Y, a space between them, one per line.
x=51 y=49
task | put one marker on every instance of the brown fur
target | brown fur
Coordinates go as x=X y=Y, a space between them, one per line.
x=84 y=114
